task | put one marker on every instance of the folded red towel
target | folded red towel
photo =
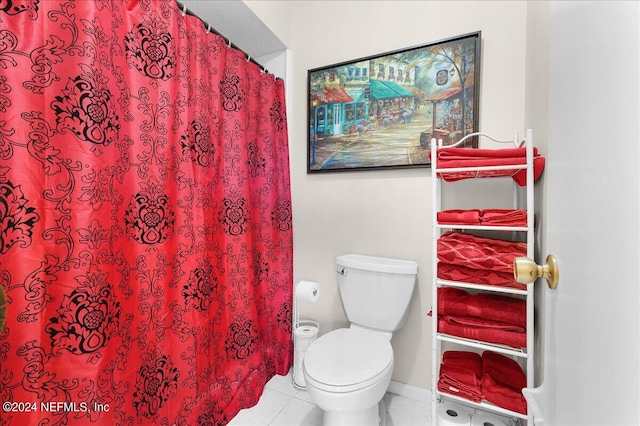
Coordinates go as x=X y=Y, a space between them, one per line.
x=479 y=323
x=479 y=154
x=482 y=334
x=459 y=381
x=462 y=375
x=464 y=359
x=447 y=271
x=455 y=388
x=470 y=157
x=467 y=217
x=469 y=250
x=486 y=306
x=503 y=396
x=503 y=217
x=503 y=370
x=453 y=356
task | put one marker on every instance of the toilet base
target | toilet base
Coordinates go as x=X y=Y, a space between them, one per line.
x=372 y=416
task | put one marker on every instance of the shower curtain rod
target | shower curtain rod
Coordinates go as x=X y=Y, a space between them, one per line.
x=185 y=11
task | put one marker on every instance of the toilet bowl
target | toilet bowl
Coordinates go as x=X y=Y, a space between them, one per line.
x=348 y=370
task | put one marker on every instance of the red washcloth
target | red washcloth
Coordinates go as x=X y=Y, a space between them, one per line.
x=447 y=271
x=503 y=396
x=464 y=359
x=467 y=217
x=486 y=306
x=503 y=370
x=488 y=335
x=468 y=250
x=460 y=382
x=503 y=217
x=470 y=157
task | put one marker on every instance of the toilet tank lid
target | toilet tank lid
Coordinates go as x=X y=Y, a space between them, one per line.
x=378 y=264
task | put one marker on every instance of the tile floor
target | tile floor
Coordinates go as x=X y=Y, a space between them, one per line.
x=282 y=404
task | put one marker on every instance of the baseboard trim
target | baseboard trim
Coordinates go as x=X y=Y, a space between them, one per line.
x=410 y=391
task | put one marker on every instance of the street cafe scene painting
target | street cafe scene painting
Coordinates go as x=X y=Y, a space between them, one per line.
x=382 y=111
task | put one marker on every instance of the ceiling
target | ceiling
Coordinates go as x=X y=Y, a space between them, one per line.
x=235 y=21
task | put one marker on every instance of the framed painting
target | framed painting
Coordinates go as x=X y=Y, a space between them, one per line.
x=380 y=112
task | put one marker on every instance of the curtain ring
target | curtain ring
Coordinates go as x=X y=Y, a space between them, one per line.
x=248 y=58
x=229 y=43
x=208 y=27
x=184 y=9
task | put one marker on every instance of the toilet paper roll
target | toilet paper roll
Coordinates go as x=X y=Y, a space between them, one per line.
x=484 y=419
x=452 y=415
x=304 y=336
x=308 y=290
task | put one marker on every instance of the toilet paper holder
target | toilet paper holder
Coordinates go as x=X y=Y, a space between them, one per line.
x=304 y=331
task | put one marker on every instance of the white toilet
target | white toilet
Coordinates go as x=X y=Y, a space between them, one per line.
x=348 y=370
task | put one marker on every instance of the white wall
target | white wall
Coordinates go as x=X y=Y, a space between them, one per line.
x=385 y=213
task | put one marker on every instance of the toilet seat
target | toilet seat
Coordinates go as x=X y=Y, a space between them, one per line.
x=347 y=360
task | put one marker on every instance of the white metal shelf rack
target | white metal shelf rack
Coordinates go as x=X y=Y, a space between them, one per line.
x=523 y=199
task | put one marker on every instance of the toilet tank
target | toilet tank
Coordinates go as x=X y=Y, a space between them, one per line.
x=376 y=291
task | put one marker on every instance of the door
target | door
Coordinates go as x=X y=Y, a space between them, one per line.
x=591 y=321
x=320 y=121
x=337 y=119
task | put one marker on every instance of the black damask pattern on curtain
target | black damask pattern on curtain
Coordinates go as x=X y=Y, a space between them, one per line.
x=146 y=239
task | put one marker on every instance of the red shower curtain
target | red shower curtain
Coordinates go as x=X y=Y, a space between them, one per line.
x=145 y=210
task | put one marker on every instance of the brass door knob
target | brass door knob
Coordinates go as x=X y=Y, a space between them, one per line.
x=526 y=271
